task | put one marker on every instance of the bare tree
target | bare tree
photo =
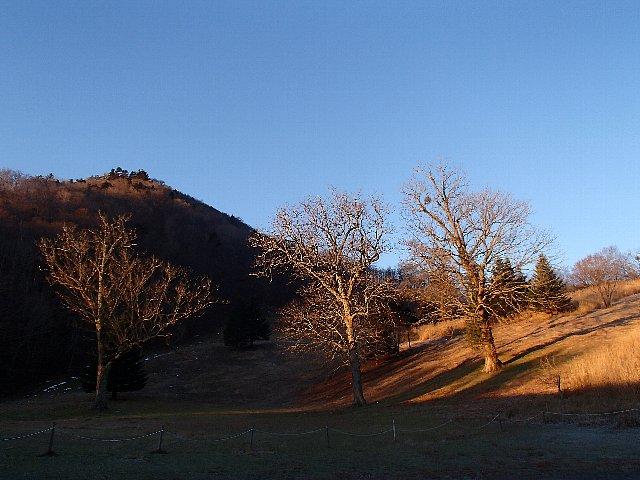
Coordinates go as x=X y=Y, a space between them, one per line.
x=314 y=323
x=126 y=298
x=330 y=244
x=603 y=271
x=459 y=235
x=432 y=290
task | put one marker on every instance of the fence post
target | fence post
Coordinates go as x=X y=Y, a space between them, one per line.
x=326 y=435
x=50 y=448
x=251 y=441
x=393 y=425
x=160 y=438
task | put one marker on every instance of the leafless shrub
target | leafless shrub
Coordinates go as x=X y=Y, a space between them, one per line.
x=550 y=374
x=604 y=271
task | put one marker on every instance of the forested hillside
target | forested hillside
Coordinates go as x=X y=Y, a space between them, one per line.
x=37 y=336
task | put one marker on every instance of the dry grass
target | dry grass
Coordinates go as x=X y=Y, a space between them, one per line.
x=526 y=316
x=614 y=365
x=441 y=365
x=550 y=373
x=630 y=287
x=589 y=301
x=440 y=330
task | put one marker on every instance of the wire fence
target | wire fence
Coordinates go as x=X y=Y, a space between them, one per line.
x=59 y=436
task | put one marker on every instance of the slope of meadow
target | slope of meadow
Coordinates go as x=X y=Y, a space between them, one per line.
x=594 y=352
x=443 y=407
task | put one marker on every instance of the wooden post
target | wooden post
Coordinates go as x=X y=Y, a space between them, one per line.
x=393 y=425
x=251 y=441
x=326 y=435
x=160 y=438
x=409 y=336
x=50 y=448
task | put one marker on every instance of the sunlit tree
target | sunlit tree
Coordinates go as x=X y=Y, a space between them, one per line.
x=330 y=244
x=125 y=298
x=459 y=234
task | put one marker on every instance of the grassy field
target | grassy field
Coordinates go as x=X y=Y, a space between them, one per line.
x=466 y=444
x=593 y=353
x=204 y=392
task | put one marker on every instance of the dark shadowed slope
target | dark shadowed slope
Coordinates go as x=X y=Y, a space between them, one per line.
x=37 y=336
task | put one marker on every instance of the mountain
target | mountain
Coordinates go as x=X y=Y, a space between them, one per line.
x=37 y=336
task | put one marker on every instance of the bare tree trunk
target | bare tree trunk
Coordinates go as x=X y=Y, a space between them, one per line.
x=354 y=358
x=491 y=361
x=101 y=387
x=102 y=376
x=356 y=376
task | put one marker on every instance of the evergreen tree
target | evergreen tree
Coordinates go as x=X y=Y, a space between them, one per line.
x=500 y=279
x=127 y=374
x=522 y=289
x=510 y=289
x=548 y=291
x=246 y=324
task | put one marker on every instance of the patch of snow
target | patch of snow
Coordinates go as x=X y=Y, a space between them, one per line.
x=157 y=355
x=52 y=387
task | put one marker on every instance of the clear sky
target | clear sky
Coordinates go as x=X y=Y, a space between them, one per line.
x=249 y=105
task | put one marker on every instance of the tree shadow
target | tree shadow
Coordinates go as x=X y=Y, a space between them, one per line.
x=415 y=375
x=585 y=331
x=512 y=369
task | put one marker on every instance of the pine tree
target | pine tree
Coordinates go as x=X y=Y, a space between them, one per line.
x=246 y=324
x=548 y=291
x=510 y=287
x=127 y=374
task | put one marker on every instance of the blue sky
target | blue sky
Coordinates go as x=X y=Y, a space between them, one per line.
x=250 y=105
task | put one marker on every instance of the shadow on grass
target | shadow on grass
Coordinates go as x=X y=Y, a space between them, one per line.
x=585 y=331
x=465 y=379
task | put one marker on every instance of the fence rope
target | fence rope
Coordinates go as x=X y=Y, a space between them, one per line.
x=64 y=432
x=94 y=439
x=476 y=429
x=522 y=420
x=292 y=434
x=615 y=412
x=200 y=440
x=418 y=430
x=19 y=437
x=361 y=434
